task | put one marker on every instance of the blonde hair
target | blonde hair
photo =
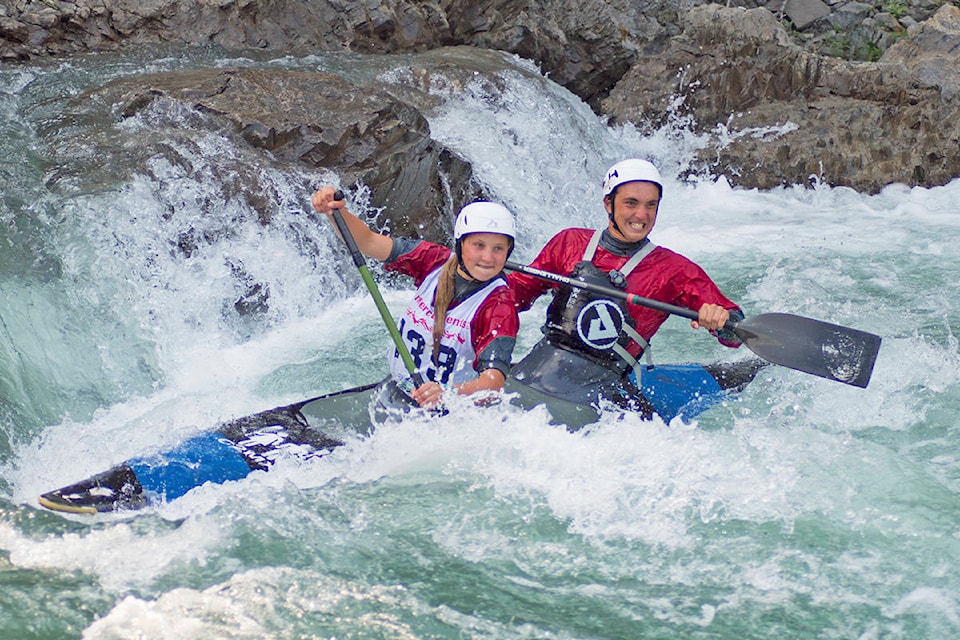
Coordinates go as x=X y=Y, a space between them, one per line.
x=446 y=287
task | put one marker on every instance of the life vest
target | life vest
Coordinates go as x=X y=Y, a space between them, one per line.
x=593 y=324
x=454 y=364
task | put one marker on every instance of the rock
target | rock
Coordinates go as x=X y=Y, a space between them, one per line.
x=319 y=120
x=849 y=14
x=791 y=116
x=99 y=25
x=585 y=45
x=803 y=13
x=932 y=52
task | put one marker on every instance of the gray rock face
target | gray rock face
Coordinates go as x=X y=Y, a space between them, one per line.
x=374 y=134
x=790 y=116
x=781 y=112
x=932 y=52
x=804 y=13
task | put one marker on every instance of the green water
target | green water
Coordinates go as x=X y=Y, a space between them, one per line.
x=804 y=509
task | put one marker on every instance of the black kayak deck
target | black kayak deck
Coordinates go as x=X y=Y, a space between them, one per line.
x=312 y=428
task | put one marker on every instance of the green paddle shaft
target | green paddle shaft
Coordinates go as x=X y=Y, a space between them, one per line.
x=368 y=280
x=811 y=346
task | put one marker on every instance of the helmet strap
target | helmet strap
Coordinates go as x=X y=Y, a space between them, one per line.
x=460 y=260
x=613 y=220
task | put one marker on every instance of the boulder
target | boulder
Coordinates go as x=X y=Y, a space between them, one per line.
x=803 y=13
x=278 y=120
x=932 y=52
x=792 y=116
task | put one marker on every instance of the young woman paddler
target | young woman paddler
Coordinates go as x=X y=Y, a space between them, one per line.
x=470 y=348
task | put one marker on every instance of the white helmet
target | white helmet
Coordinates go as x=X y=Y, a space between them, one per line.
x=484 y=217
x=631 y=170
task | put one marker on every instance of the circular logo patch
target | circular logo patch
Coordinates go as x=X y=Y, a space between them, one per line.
x=599 y=324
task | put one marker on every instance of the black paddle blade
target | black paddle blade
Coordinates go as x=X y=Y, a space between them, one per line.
x=819 y=348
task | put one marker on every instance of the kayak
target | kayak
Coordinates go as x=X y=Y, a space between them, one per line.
x=313 y=428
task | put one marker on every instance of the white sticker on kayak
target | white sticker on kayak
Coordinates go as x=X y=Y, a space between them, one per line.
x=267 y=445
x=599 y=324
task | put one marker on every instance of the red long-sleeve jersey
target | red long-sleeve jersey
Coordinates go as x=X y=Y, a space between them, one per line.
x=663 y=275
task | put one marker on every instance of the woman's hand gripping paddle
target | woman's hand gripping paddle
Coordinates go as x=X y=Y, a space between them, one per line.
x=368 y=280
x=818 y=348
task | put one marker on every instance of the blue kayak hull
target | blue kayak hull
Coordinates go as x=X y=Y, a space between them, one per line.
x=312 y=428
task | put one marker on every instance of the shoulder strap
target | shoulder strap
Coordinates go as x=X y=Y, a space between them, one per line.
x=629 y=265
x=635 y=259
x=591 y=247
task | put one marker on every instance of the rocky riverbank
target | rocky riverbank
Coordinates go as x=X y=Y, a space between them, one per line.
x=799 y=90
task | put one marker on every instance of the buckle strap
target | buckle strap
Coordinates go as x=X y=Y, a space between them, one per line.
x=591 y=247
x=647 y=352
x=635 y=259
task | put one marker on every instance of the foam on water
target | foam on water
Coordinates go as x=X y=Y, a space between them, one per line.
x=804 y=500
x=121 y=556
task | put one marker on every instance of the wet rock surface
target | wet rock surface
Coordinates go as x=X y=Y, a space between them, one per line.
x=847 y=93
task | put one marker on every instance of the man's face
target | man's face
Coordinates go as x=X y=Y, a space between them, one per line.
x=634 y=210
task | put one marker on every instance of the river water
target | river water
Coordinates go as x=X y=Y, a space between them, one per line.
x=803 y=509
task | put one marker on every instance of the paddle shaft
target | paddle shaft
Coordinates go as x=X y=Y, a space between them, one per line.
x=368 y=280
x=819 y=348
x=609 y=292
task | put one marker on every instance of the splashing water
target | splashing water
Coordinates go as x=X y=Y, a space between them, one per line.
x=138 y=312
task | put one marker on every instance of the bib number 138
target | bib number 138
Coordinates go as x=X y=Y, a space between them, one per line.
x=421 y=352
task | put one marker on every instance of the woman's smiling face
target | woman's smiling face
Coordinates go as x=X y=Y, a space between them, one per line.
x=484 y=254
